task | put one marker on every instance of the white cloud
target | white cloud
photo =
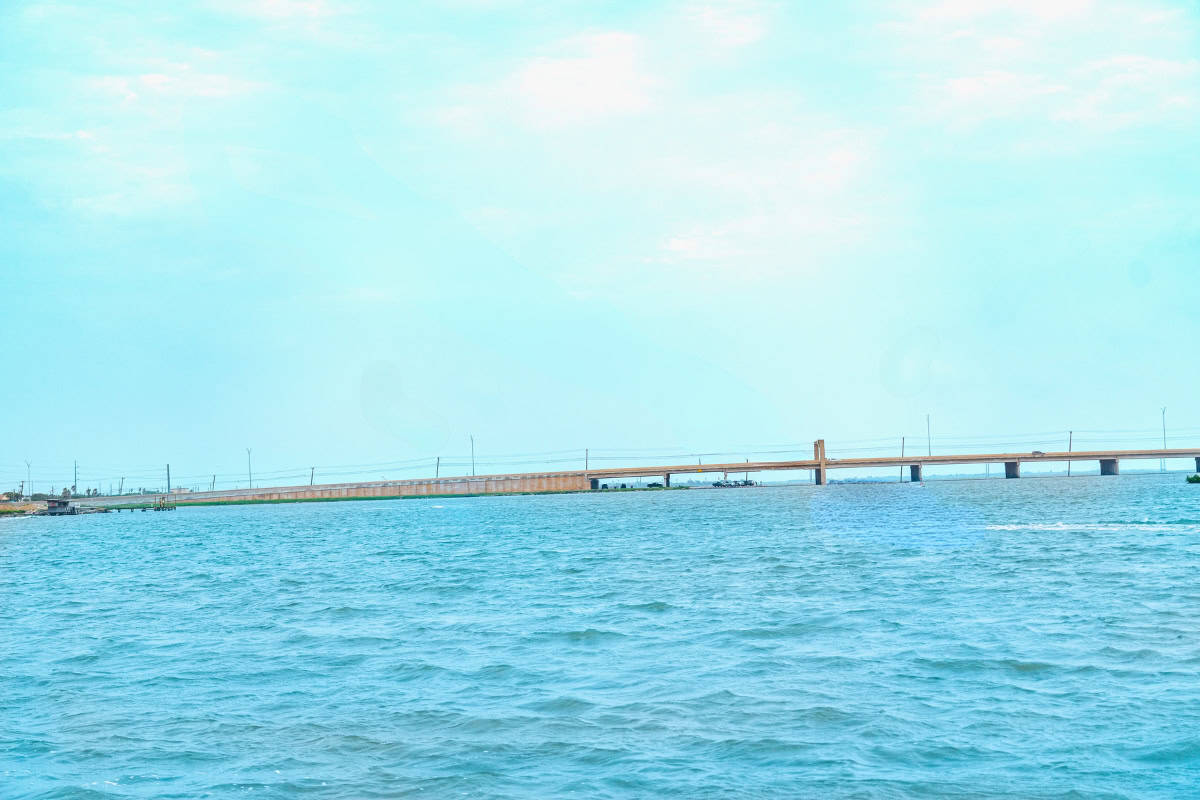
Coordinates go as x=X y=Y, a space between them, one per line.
x=279 y=9
x=969 y=10
x=1124 y=90
x=749 y=179
x=47 y=136
x=970 y=99
x=114 y=179
x=1099 y=64
x=144 y=140
x=172 y=81
x=774 y=240
x=730 y=23
x=583 y=79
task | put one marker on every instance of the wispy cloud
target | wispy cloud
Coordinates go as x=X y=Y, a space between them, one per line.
x=781 y=188
x=730 y=23
x=972 y=10
x=1126 y=90
x=172 y=81
x=1100 y=64
x=279 y=9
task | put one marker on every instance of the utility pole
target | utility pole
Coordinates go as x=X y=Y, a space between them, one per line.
x=1070 y=444
x=312 y=475
x=437 y=467
x=168 y=478
x=121 y=487
x=902 y=456
x=928 y=441
x=1162 y=462
x=75 y=482
x=585 y=459
x=472 y=455
x=28 y=478
x=212 y=486
x=249 y=473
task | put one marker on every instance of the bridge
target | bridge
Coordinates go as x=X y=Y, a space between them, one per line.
x=590 y=479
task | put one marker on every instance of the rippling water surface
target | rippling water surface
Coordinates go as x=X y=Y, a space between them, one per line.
x=1032 y=638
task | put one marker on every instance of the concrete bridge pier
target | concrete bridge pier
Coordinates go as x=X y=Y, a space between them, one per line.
x=915 y=473
x=1197 y=463
x=1109 y=466
x=667 y=481
x=594 y=483
x=1012 y=469
x=819 y=476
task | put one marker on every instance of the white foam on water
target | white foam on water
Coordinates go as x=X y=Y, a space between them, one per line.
x=1094 y=526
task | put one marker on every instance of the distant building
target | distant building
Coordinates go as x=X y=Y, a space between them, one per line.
x=56 y=507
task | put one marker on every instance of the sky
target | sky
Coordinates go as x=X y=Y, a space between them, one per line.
x=352 y=234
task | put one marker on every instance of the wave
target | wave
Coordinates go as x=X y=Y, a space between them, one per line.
x=585 y=636
x=1123 y=525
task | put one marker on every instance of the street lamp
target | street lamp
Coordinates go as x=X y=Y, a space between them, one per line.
x=1162 y=462
x=249 y=474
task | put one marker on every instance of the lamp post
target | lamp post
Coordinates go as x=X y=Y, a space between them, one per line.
x=249 y=473
x=1162 y=462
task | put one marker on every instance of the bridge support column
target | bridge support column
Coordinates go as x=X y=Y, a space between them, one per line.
x=594 y=483
x=915 y=473
x=1197 y=463
x=1109 y=466
x=1012 y=469
x=819 y=476
x=667 y=481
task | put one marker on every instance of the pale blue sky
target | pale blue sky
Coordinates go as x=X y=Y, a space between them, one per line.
x=353 y=231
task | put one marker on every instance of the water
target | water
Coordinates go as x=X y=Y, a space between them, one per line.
x=1032 y=638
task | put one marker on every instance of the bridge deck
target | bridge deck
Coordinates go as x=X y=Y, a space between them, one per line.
x=893 y=461
x=580 y=480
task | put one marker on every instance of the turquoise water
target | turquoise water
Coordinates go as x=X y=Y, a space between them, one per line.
x=1031 y=638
